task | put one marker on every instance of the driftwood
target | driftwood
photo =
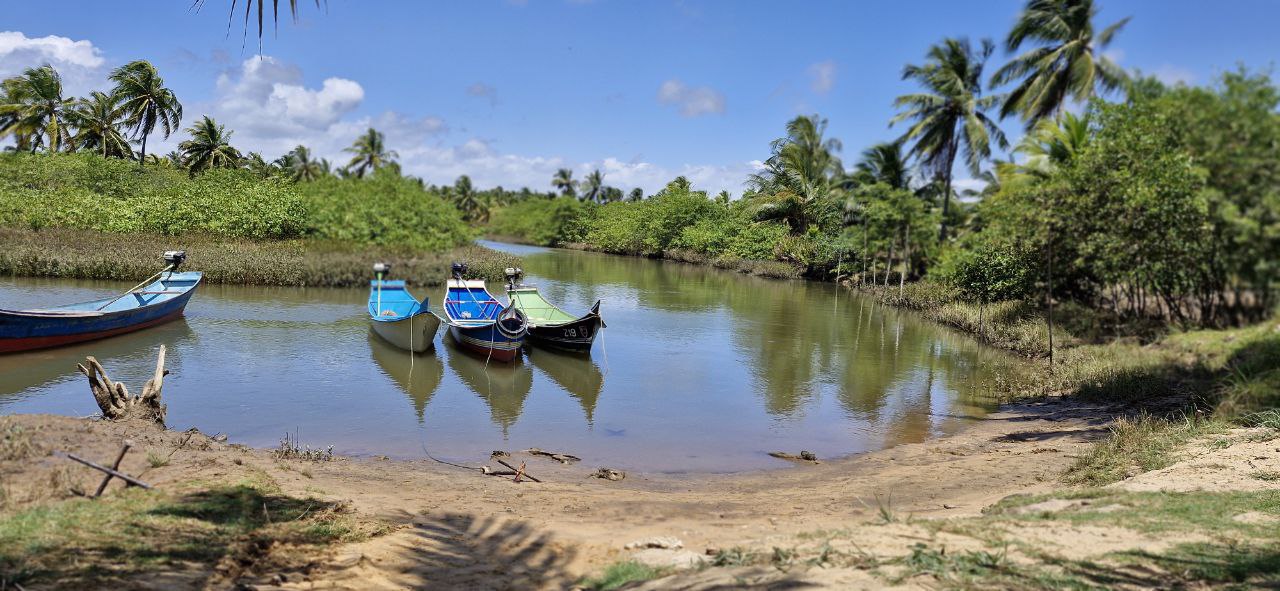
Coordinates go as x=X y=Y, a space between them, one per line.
x=111 y=472
x=113 y=397
x=519 y=472
x=114 y=466
x=562 y=458
x=805 y=456
x=609 y=474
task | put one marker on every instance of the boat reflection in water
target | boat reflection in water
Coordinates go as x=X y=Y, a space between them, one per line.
x=128 y=354
x=417 y=375
x=503 y=386
x=576 y=374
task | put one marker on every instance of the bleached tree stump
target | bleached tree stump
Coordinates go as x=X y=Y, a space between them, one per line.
x=113 y=397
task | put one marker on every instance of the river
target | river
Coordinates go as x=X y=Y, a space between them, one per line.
x=699 y=370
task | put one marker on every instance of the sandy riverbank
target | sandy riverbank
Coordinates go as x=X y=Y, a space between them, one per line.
x=551 y=534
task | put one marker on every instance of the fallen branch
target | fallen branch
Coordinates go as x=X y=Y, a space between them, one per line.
x=121 y=475
x=113 y=397
x=519 y=471
x=805 y=456
x=562 y=458
x=115 y=466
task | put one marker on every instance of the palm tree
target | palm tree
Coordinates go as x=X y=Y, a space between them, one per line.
x=1066 y=64
x=98 y=120
x=301 y=167
x=209 y=147
x=802 y=176
x=593 y=187
x=636 y=194
x=949 y=117
x=884 y=163
x=1053 y=143
x=464 y=197
x=146 y=101
x=563 y=182
x=370 y=153
x=261 y=12
x=174 y=158
x=255 y=163
x=35 y=107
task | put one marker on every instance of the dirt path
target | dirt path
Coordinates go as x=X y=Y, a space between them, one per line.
x=454 y=528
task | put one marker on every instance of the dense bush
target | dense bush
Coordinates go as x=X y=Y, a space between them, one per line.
x=385 y=209
x=538 y=220
x=85 y=191
x=88 y=192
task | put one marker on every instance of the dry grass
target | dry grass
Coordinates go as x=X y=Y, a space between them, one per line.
x=85 y=254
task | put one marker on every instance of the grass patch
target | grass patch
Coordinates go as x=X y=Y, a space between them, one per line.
x=85 y=254
x=15 y=441
x=619 y=574
x=1211 y=513
x=82 y=542
x=1138 y=444
x=1241 y=564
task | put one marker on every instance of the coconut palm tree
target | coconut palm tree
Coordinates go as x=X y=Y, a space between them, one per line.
x=98 y=120
x=802 y=176
x=35 y=108
x=593 y=187
x=369 y=153
x=636 y=194
x=259 y=7
x=884 y=163
x=209 y=147
x=949 y=118
x=146 y=101
x=464 y=197
x=1066 y=64
x=563 y=182
x=301 y=167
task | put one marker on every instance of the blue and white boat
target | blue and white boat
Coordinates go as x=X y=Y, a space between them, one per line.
x=397 y=316
x=159 y=299
x=479 y=322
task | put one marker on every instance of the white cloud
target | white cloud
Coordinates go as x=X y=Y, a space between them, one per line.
x=271 y=109
x=692 y=101
x=80 y=62
x=267 y=98
x=1172 y=75
x=822 y=76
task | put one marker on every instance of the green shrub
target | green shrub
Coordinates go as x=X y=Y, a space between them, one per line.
x=384 y=209
x=88 y=192
x=537 y=220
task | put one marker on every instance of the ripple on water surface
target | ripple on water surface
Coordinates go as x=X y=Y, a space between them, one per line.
x=699 y=370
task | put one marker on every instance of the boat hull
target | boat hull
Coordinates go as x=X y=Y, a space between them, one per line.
x=487 y=341
x=577 y=335
x=42 y=329
x=416 y=333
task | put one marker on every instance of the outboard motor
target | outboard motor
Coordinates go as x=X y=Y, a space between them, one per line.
x=175 y=258
x=459 y=270
x=381 y=269
x=513 y=275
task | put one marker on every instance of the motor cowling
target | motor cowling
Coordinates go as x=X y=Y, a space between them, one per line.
x=174 y=258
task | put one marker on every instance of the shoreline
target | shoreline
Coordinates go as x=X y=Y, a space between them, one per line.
x=593 y=519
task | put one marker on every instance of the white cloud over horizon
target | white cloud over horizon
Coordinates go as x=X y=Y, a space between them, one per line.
x=268 y=106
x=693 y=101
x=80 y=63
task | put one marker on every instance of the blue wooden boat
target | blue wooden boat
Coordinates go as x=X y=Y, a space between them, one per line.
x=399 y=317
x=479 y=322
x=159 y=299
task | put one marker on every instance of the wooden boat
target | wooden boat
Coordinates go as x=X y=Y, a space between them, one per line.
x=480 y=323
x=397 y=316
x=548 y=324
x=160 y=298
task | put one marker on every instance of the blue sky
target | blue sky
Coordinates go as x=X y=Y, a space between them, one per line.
x=508 y=91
